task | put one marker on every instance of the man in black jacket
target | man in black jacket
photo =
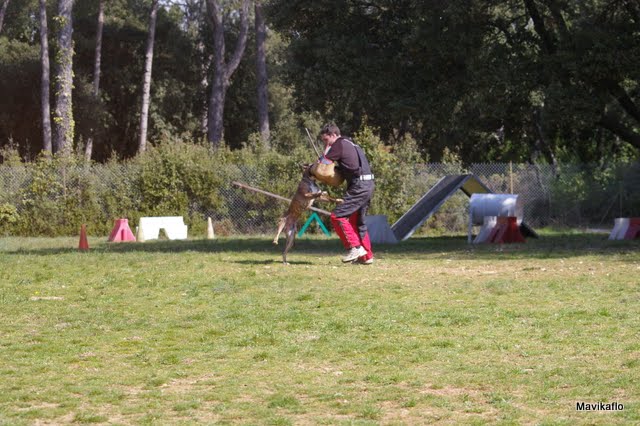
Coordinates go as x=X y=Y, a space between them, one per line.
x=348 y=217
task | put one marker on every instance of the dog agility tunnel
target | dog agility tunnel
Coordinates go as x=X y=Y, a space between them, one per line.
x=425 y=207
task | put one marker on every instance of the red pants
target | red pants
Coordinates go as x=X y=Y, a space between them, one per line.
x=347 y=230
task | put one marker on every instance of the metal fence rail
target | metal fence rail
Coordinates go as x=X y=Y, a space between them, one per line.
x=573 y=195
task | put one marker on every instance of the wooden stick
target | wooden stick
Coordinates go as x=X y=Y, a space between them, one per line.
x=313 y=144
x=279 y=197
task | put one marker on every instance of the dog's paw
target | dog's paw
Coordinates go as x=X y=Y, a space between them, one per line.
x=275 y=242
x=339 y=200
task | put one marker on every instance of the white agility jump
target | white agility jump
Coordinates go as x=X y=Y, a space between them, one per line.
x=173 y=226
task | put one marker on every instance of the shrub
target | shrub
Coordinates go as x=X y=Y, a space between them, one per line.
x=58 y=196
x=8 y=217
x=393 y=173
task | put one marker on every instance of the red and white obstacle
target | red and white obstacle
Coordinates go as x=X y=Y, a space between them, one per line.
x=500 y=216
x=625 y=228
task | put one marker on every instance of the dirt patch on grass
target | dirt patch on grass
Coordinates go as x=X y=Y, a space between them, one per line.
x=187 y=384
x=37 y=298
x=66 y=419
x=468 y=402
x=334 y=369
x=39 y=406
x=447 y=391
x=392 y=412
x=85 y=414
x=526 y=268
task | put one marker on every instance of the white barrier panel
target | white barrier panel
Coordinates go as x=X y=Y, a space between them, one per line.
x=482 y=205
x=620 y=227
x=485 y=231
x=173 y=226
x=379 y=230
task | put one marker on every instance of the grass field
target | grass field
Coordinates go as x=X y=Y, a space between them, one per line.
x=202 y=332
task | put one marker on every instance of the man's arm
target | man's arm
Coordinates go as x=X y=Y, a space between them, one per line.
x=335 y=152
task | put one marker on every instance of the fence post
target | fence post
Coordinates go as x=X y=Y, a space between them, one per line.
x=511 y=177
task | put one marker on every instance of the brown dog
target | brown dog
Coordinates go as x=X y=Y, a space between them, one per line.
x=306 y=194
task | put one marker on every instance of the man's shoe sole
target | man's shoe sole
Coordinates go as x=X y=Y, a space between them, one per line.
x=355 y=257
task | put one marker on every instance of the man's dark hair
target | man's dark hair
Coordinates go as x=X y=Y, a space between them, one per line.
x=330 y=129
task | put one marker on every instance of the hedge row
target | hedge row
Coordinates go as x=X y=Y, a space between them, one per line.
x=54 y=196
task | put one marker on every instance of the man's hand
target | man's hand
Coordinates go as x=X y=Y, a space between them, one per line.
x=324 y=196
x=324 y=160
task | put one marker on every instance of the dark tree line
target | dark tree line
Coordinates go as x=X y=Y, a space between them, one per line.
x=522 y=80
x=516 y=79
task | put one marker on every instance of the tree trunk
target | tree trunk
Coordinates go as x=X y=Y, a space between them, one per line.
x=623 y=98
x=2 y=13
x=45 y=80
x=548 y=42
x=261 y=72
x=207 y=60
x=88 y=150
x=222 y=71
x=216 y=109
x=612 y=123
x=63 y=115
x=542 y=143
x=146 y=84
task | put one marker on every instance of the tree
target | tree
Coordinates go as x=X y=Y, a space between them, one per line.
x=261 y=71
x=96 y=74
x=560 y=74
x=175 y=105
x=45 y=79
x=115 y=119
x=401 y=66
x=146 y=84
x=594 y=48
x=63 y=124
x=487 y=79
x=223 y=70
x=195 y=12
x=3 y=11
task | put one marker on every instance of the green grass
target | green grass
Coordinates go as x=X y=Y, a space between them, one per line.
x=202 y=332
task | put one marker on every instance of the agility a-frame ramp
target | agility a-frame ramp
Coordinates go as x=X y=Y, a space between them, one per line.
x=430 y=202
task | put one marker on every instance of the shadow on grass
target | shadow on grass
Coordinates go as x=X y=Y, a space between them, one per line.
x=274 y=261
x=553 y=245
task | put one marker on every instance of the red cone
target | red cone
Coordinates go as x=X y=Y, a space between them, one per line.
x=84 y=244
x=506 y=231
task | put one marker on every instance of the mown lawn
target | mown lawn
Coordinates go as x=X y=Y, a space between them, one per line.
x=202 y=332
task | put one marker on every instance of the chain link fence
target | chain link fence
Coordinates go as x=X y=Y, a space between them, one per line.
x=572 y=195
